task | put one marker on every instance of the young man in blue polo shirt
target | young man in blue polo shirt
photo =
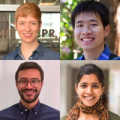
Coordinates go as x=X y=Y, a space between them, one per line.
x=29 y=82
x=90 y=21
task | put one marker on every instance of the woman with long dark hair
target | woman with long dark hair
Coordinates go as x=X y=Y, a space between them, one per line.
x=91 y=98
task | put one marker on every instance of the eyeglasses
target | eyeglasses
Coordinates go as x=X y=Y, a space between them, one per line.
x=34 y=83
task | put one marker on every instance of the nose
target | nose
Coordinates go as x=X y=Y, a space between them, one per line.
x=28 y=28
x=28 y=85
x=86 y=30
x=89 y=90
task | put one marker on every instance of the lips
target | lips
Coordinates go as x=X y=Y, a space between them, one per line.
x=29 y=92
x=27 y=34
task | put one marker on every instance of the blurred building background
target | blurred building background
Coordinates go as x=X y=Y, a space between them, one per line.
x=68 y=47
x=9 y=38
x=68 y=73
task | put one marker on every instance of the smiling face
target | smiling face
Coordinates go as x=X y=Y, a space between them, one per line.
x=89 y=89
x=29 y=94
x=28 y=28
x=89 y=31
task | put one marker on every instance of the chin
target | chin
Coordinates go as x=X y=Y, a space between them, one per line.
x=89 y=105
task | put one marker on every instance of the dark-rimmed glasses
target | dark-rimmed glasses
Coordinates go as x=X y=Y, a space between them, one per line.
x=24 y=83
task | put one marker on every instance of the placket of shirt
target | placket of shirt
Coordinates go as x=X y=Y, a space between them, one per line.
x=31 y=115
x=34 y=56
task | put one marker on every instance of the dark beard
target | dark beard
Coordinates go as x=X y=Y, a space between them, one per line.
x=25 y=100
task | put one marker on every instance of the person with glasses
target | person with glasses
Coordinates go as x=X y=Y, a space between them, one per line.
x=29 y=82
x=28 y=24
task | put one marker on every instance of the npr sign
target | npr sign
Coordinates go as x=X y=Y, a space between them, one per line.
x=45 y=32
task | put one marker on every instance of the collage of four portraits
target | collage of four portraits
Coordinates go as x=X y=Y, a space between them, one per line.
x=60 y=60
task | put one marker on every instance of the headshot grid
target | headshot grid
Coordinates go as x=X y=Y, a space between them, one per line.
x=41 y=43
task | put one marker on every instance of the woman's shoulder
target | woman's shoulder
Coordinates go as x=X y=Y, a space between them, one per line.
x=112 y=115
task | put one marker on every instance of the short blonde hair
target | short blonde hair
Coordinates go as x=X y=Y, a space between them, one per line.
x=26 y=9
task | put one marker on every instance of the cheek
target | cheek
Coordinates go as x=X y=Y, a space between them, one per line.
x=77 y=32
x=20 y=29
x=80 y=92
x=36 y=30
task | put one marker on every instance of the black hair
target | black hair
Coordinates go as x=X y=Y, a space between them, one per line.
x=94 y=7
x=29 y=65
x=88 y=69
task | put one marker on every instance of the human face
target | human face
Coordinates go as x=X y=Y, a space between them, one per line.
x=28 y=28
x=89 y=31
x=89 y=89
x=29 y=94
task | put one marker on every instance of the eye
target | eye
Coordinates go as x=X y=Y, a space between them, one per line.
x=80 y=25
x=34 y=81
x=23 y=81
x=21 y=23
x=93 y=24
x=33 y=23
x=83 y=86
x=95 y=86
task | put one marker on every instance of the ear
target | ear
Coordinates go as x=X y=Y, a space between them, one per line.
x=16 y=84
x=76 y=88
x=15 y=25
x=42 y=84
x=103 y=89
x=107 y=29
x=40 y=25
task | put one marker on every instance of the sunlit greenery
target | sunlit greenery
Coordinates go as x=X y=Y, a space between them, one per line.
x=68 y=45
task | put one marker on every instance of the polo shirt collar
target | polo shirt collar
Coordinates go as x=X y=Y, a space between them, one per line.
x=104 y=56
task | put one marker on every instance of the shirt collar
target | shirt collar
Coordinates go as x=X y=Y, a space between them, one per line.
x=104 y=56
x=35 y=110
x=40 y=49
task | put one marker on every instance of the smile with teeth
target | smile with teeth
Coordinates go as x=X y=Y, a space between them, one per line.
x=29 y=92
x=89 y=98
x=87 y=40
x=27 y=34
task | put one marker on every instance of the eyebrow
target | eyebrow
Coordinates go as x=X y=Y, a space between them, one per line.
x=92 y=20
x=92 y=83
x=25 y=21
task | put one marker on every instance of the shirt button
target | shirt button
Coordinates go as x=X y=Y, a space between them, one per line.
x=35 y=113
x=21 y=112
x=25 y=109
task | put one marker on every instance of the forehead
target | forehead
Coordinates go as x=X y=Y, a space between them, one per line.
x=89 y=79
x=29 y=73
x=26 y=18
x=87 y=16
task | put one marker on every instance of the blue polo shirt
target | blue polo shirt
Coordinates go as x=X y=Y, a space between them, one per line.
x=41 y=53
x=104 y=56
x=39 y=112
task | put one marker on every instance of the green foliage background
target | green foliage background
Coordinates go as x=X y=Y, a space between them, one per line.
x=67 y=44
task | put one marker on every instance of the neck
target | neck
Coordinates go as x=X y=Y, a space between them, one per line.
x=29 y=105
x=85 y=116
x=28 y=48
x=93 y=54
